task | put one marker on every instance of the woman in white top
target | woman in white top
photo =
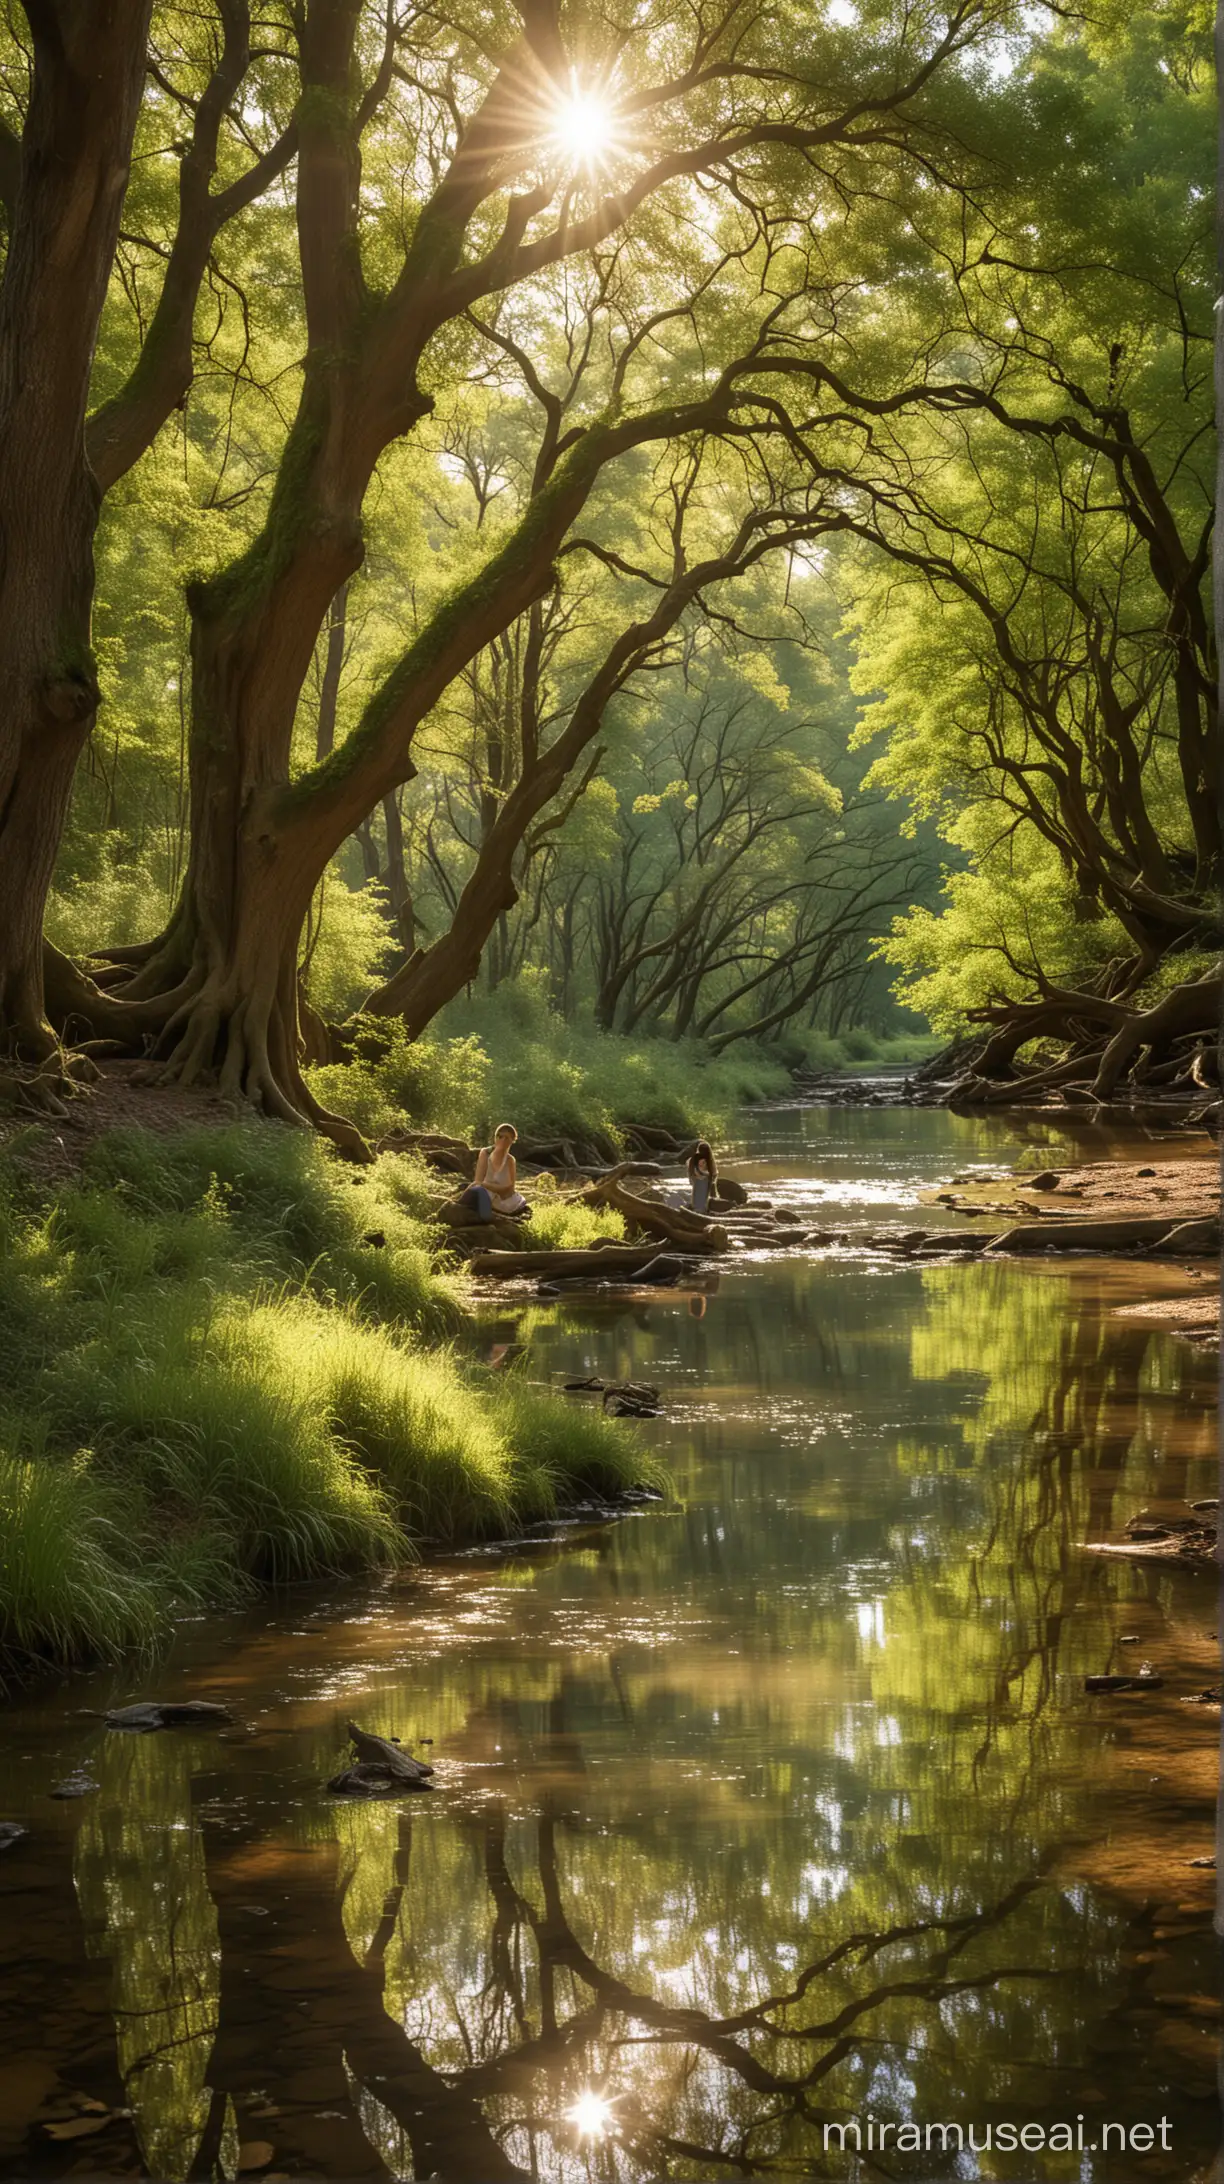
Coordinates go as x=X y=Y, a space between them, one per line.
x=496 y=1174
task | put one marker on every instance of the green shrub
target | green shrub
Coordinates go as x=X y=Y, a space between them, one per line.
x=508 y=1057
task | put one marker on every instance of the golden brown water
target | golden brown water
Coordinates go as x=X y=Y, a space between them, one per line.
x=776 y=1808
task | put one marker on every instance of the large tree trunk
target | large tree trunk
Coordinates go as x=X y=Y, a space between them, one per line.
x=84 y=100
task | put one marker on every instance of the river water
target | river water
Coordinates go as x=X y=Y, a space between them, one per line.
x=777 y=1807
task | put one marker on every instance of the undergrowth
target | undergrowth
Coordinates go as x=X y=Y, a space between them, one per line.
x=509 y=1057
x=228 y=1361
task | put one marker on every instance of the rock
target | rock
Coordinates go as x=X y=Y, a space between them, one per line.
x=256 y=2154
x=630 y=1401
x=1145 y=1171
x=1046 y=1181
x=367 y=1780
x=78 y=2127
x=728 y=1193
x=74 y=1785
x=11 y=1832
x=1209 y=1863
x=168 y=1714
x=621 y=1398
x=376 y=1239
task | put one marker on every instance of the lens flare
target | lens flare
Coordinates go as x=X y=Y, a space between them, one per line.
x=590 y=2115
x=582 y=127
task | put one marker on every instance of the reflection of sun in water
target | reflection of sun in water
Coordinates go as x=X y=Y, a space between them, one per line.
x=583 y=127
x=590 y=2115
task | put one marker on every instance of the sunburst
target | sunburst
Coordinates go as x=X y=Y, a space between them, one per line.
x=582 y=128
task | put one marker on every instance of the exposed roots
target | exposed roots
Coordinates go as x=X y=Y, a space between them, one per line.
x=1170 y=1051
x=243 y=1045
x=201 y=1027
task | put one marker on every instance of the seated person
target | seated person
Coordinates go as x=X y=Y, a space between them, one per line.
x=702 y=1174
x=493 y=1195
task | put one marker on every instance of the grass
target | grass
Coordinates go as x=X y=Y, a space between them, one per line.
x=511 y=1058
x=229 y=1361
x=862 y=1049
x=507 y=1056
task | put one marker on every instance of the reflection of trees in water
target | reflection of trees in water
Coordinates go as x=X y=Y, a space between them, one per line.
x=430 y=1991
x=492 y=1993
x=788 y=1866
x=1081 y=1413
x=146 y=1906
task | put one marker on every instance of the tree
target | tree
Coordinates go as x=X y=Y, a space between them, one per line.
x=63 y=198
x=719 y=118
x=64 y=183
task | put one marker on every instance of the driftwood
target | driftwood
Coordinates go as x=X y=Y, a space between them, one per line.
x=655 y=1140
x=677 y=1225
x=1142 y=1231
x=621 y=1398
x=1114 y=1049
x=1146 y=1680
x=451 y=1156
x=607 y=1259
x=383 y=1769
x=168 y=1714
x=661 y=1271
x=1182 y=1539
x=366 y=1780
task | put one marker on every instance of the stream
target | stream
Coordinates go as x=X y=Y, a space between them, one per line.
x=777 y=1806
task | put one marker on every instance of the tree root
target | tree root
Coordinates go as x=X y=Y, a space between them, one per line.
x=1111 y=1050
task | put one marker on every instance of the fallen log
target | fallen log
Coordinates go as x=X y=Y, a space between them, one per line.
x=1145 y=1680
x=1147 y=1232
x=677 y=1225
x=151 y=1714
x=386 y=1752
x=450 y=1156
x=662 y=1270
x=606 y=1259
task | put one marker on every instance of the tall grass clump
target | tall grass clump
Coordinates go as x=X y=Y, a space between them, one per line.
x=68 y=1582
x=221 y=1368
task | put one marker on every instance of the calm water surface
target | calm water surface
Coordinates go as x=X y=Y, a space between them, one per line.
x=777 y=1807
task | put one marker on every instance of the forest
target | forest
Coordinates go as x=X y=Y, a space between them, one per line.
x=524 y=520
x=610 y=926
x=561 y=568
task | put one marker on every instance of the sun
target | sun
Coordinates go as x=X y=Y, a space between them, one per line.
x=582 y=126
x=590 y=2115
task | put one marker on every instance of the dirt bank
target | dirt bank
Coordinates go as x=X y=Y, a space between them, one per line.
x=1185 y=1189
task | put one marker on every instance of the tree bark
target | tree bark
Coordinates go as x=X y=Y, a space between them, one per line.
x=225 y=973
x=75 y=152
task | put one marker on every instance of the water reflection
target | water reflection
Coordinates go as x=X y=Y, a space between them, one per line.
x=776 y=1808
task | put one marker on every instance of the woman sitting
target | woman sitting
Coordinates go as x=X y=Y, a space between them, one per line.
x=493 y=1195
x=702 y=1174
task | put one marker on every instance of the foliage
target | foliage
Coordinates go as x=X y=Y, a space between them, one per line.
x=214 y=1378
x=509 y=1056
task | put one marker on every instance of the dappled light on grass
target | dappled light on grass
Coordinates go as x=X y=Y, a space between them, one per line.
x=213 y=1378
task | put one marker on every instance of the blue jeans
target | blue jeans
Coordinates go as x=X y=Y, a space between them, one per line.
x=477 y=1196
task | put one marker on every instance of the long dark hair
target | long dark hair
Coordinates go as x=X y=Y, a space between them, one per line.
x=703 y=1150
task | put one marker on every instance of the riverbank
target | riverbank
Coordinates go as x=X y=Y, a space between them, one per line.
x=744 y=1749
x=230 y=1362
